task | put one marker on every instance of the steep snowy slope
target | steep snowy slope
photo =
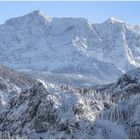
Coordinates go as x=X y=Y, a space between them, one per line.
x=43 y=111
x=39 y=110
x=62 y=111
x=121 y=43
x=70 y=45
x=125 y=110
x=12 y=84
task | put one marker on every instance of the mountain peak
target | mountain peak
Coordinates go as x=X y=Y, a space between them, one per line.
x=37 y=12
x=36 y=15
x=114 y=20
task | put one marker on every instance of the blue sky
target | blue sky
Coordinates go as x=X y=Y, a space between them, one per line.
x=97 y=11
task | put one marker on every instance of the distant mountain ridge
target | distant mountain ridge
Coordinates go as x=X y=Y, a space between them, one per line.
x=37 y=41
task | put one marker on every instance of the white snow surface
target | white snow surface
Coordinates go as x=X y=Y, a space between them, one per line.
x=37 y=41
x=49 y=110
x=69 y=48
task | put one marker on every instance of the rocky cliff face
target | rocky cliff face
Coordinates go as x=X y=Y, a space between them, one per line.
x=33 y=108
x=125 y=95
x=12 y=83
x=44 y=110
x=70 y=45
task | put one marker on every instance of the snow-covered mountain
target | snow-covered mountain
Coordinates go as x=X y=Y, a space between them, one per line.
x=56 y=58
x=12 y=84
x=43 y=110
x=125 y=94
x=103 y=51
